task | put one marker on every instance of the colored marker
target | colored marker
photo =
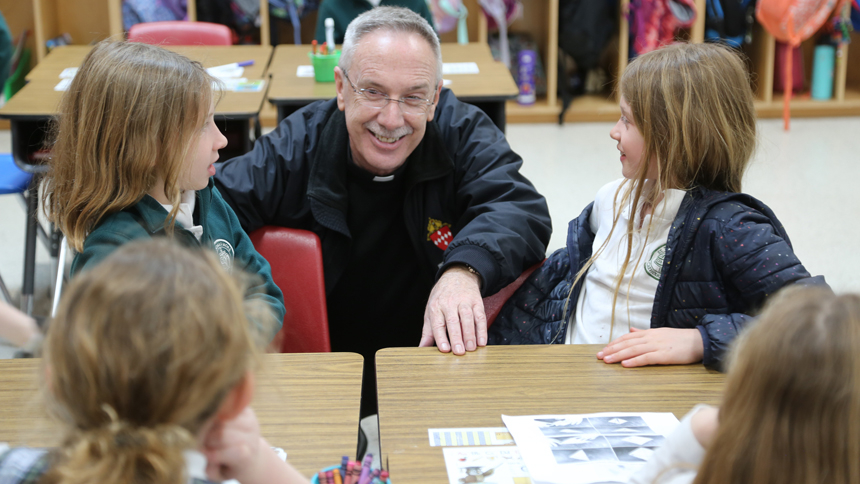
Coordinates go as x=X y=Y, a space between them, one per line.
x=314 y=46
x=233 y=65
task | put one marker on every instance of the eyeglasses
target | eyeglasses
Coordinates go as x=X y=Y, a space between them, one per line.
x=374 y=98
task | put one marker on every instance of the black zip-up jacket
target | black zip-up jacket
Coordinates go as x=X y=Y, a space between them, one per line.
x=466 y=201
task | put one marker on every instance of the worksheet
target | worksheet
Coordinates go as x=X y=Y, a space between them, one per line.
x=589 y=448
x=491 y=465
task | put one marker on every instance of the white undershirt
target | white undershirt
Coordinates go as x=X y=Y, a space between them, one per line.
x=591 y=322
x=185 y=216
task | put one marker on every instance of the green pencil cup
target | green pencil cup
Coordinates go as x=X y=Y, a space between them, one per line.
x=324 y=65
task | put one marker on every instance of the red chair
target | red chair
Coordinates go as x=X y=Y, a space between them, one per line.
x=296 y=259
x=180 y=33
x=493 y=304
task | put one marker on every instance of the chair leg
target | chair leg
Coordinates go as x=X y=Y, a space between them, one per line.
x=27 y=288
x=7 y=298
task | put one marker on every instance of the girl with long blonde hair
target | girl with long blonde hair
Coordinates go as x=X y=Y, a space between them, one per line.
x=669 y=262
x=133 y=155
x=791 y=405
x=149 y=369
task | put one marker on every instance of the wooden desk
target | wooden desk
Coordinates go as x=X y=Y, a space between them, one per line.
x=73 y=55
x=421 y=388
x=307 y=403
x=488 y=90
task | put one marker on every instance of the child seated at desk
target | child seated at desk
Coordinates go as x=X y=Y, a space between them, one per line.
x=668 y=263
x=134 y=153
x=148 y=366
x=791 y=405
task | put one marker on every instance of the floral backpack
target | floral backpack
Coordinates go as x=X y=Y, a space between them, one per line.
x=792 y=22
x=448 y=14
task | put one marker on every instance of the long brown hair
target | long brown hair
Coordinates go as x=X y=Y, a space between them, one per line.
x=130 y=116
x=142 y=352
x=791 y=406
x=693 y=105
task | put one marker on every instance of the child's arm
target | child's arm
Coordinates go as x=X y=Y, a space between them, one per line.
x=235 y=450
x=255 y=264
x=659 y=346
x=15 y=326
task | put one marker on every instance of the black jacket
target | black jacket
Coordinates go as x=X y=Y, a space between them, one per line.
x=462 y=178
x=726 y=253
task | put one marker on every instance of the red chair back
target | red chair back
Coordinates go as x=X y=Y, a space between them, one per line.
x=493 y=304
x=180 y=33
x=296 y=259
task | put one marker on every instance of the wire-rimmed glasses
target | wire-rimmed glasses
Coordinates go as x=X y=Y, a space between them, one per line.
x=375 y=98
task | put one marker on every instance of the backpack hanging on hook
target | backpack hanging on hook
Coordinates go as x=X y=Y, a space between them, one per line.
x=792 y=22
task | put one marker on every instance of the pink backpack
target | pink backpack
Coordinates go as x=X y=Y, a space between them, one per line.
x=792 y=22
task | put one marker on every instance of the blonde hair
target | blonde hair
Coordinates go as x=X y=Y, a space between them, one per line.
x=131 y=115
x=791 y=405
x=142 y=352
x=693 y=105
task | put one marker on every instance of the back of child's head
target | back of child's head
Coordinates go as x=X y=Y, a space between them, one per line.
x=791 y=406
x=693 y=105
x=130 y=116
x=142 y=352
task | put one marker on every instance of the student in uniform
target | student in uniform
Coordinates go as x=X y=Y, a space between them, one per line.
x=669 y=262
x=134 y=154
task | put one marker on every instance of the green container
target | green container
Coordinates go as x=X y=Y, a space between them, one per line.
x=324 y=65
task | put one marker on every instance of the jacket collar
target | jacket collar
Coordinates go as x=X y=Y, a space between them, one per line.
x=327 y=180
x=151 y=215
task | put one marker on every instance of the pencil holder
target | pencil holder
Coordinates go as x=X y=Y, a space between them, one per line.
x=324 y=65
x=315 y=479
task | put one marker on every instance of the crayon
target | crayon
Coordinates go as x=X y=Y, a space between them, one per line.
x=337 y=479
x=314 y=47
x=347 y=476
x=321 y=477
x=365 y=469
x=344 y=461
x=324 y=49
x=356 y=472
x=329 y=477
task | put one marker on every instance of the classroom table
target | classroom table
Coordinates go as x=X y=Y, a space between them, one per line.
x=488 y=90
x=30 y=110
x=307 y=404
x=422 y=388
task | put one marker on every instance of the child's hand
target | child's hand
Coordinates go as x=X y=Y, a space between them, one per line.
x=235 y=450
x=660 y=346
x=232 y=447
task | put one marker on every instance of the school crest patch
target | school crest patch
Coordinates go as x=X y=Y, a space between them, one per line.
x=439 y=233
x=654 y=264
x=225 y=253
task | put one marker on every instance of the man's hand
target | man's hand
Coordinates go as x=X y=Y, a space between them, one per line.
x=660 y=346
x=455 y=311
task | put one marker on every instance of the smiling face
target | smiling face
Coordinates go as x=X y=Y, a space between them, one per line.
x=205 y=153
x=631 y=144
x=398 y=65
